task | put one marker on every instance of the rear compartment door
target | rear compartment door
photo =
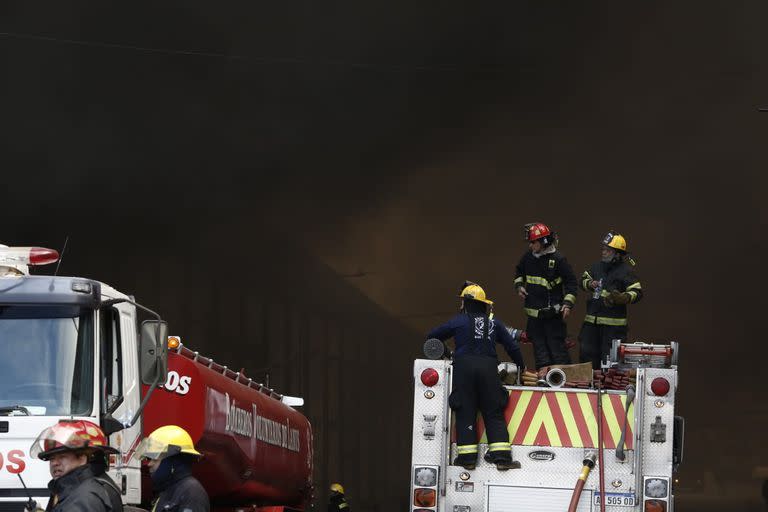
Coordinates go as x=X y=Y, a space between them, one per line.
x=505 y=498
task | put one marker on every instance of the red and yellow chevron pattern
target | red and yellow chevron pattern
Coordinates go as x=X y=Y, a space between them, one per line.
x=563 y=419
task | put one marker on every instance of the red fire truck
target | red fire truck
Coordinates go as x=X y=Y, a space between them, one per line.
x=74 y=348
x=580 y=449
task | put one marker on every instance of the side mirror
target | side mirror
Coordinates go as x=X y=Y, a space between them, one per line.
x=153 y=358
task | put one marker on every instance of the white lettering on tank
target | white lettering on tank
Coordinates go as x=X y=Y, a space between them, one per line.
x=251 y=424
x=177 y=383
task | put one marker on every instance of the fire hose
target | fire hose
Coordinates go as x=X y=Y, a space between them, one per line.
x=589 y=463
x=601 y=469
x=620 y=447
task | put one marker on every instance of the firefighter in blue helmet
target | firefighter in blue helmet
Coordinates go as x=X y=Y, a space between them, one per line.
x=476 y=383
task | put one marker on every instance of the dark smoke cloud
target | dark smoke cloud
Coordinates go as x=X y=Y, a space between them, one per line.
x=408 y=143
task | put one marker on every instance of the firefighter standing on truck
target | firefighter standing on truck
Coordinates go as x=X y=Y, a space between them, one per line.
x=476 y=383
x=545 y=281
x=68 y=446
x=170 y=453
x=336 y=501
x=612 y=284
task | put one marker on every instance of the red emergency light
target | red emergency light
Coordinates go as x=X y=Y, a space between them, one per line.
x=28 y=256
x=430 y=377
x=660 y=386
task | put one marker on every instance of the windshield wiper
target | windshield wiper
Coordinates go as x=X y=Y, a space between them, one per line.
x=6 y=411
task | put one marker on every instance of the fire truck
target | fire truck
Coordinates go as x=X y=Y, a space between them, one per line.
x=579 y=449
x=77 y=348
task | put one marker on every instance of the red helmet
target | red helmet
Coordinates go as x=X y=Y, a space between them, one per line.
x=70 y=435
x=538 y=231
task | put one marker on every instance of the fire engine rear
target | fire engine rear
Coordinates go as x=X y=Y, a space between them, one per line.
x=581 y=448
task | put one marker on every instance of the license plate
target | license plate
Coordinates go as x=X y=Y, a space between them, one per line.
x=616 y=499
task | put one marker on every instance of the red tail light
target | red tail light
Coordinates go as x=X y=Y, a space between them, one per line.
x=660 y=386
x=424 y=497
x=655 y=506
x=429 y=377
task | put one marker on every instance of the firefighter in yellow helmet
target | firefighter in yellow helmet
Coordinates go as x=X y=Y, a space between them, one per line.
x=170 y=453
x=476 y=383
x=336 y=501
x=613 y=284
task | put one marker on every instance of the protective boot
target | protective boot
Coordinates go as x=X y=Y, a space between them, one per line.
x=502 y=459
x=466 y=460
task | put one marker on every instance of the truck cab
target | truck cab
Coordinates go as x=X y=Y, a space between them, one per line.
x=69 y=348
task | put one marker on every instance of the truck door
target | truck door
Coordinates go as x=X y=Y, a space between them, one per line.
x=120 y=392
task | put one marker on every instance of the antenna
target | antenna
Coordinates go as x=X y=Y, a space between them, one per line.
x=31 y=504
x=61 y=255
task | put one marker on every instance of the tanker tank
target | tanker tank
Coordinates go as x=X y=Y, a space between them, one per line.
x=256 y=449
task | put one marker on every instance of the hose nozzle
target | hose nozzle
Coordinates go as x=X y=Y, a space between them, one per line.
x=589 y=459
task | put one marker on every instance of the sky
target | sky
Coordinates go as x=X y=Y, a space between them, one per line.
x=405 y=145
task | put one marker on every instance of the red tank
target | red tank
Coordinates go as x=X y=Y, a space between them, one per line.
x=257 y=450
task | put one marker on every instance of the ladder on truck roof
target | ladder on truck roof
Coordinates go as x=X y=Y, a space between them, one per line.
x=238 y=377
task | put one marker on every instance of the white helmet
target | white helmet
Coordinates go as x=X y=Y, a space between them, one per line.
x=8 y=269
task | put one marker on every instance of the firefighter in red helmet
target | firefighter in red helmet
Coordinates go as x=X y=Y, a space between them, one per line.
x=546 y=283
x=70 y=447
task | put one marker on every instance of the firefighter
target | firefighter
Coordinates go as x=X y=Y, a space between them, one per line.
x=476 y=383
x=77 y=486
x=545 y=281
x=336 y=501
x=170 y=453
x=612 y=285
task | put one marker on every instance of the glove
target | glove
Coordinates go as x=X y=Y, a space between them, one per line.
x=617 y=297
x=31 y=506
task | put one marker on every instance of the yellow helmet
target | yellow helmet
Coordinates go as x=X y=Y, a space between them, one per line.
x=474 y=292
x=615 y=241
x=166 y=441
x=337 y=487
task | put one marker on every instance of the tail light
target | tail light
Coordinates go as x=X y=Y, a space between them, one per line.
x=660 y=386
x=430 y=377
x=424 y=497
x=655 y=506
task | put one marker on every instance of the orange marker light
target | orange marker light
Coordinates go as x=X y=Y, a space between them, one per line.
x=174 y=342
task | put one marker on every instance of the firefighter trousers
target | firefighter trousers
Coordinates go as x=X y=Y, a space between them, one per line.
x=476 y=385
x=595 y=342
x=548 y=338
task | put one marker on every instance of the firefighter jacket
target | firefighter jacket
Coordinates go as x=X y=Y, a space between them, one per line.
x=614 y=276
x=476 y=335
x=337 y=503
x=180 y=492
x=113 y=491
x=548 y=279
x=79 y=491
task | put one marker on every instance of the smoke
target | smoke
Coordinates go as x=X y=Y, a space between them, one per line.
x=405 y=145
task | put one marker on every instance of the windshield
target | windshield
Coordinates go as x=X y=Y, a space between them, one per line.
x=46 y=360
